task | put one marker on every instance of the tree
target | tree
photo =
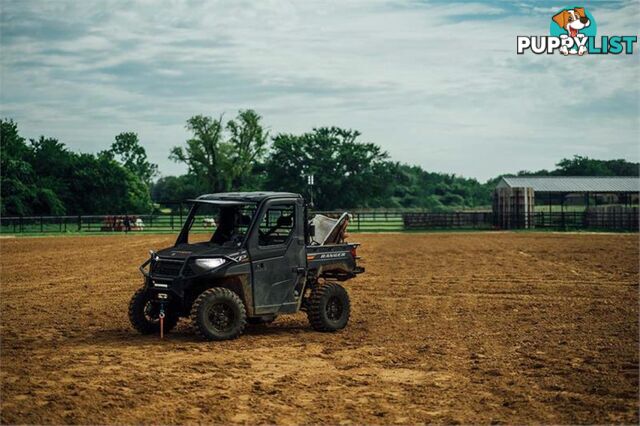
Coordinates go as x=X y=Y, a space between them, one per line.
x=585 y=166
x=16 y=195
x=45 y=178
x=415 y=187
x=54 y=165
x=21 y=194
x=102 y=186
x=133 y=156
x=203 y=150
x=223 y=157
x=177 y=188
x=248 y=142
x=347 y=173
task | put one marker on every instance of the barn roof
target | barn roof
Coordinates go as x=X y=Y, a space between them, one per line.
x=572 y=183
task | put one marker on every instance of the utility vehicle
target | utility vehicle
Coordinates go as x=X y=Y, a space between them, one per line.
x=264 y=258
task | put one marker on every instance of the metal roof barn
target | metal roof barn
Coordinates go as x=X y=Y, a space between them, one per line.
x=599 y=202
x=562 y=184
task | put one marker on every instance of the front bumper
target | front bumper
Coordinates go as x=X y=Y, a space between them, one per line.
x=163 y=287
x=172 y=277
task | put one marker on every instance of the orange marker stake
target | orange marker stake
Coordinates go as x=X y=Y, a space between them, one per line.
x=161 y=325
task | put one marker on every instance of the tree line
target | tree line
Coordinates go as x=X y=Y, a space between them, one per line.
x=43 y=177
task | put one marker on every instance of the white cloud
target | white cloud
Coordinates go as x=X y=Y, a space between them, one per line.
x=436 y=84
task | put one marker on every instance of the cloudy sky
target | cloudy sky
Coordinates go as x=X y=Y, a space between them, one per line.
x=436 y=83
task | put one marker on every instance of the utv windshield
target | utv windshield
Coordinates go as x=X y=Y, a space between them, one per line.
x=222 y=223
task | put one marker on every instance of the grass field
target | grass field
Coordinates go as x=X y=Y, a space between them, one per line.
x=445 y=328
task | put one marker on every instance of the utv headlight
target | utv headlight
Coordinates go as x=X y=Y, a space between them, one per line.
x=209 y=263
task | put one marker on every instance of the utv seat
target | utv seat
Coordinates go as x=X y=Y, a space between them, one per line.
x=329 y=230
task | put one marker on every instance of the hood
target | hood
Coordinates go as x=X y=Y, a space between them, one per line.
x=182 y=251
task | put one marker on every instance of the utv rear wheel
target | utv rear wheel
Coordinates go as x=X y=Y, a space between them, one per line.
x=144 y=315
x=329 y=307
x=218 y=314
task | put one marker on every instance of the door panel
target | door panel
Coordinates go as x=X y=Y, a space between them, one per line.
x=277 y=255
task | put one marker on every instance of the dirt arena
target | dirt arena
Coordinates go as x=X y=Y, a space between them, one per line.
x=445 y=328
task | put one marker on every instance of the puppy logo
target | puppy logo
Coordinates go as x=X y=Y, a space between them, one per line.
x=572 y=21
x=572 y=31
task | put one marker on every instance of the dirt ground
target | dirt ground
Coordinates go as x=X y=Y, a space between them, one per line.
x=445 y=328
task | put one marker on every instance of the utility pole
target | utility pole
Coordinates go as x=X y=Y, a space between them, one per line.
x=310 y=182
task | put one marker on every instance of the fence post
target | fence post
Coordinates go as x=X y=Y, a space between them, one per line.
x=358 y=216
x=79 y=223
x=21 y=224
x=171 y=220
x=41 y=225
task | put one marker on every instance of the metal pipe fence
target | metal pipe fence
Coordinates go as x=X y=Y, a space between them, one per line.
x=361 y=221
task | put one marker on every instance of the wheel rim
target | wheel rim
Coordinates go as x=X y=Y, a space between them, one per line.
x=334 y=309
x=221 y=317
x=151 y=312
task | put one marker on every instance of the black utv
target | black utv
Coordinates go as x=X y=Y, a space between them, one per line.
x=262 y=257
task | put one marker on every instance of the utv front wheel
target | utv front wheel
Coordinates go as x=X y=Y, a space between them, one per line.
x=329 y=307
x=144 y=315
x=218 y=314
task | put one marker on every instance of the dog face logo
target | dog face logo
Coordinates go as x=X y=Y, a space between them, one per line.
x=572 y=20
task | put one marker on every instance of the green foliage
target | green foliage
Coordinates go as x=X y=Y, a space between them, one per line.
x=178 y=188
x=18 y=184
x=346 y=172
x=203 y=150
x=45 y=178
x=584 y=166
x=416 y=188
x=247 y=145
x=102 y=185
x=133 y=156
x=25 y=188
x=223 y=157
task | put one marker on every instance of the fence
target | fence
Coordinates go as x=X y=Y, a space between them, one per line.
x=93 y=223
x=618 y=220
x=373 y=221
x=361 y=221
x=454 y=220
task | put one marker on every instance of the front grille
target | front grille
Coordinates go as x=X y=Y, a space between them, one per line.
x=170 y=269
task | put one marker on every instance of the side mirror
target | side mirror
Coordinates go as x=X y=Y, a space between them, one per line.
x=312 y=230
